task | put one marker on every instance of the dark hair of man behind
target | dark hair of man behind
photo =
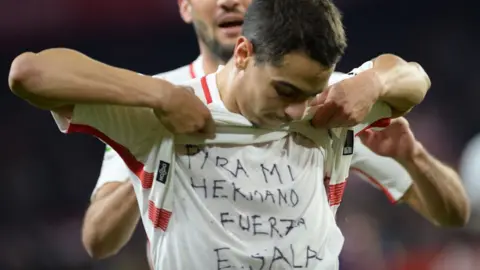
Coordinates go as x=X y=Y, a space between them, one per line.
x=279 y=27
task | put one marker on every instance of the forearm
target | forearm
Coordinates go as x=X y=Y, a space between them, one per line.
x=110 y=222
x=439 y=188
x=58 y=77
x=403 y=84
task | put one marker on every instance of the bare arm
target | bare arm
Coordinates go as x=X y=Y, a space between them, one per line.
x=56 y=78
x=403 y=84
x=110 y=220
x=113 y=213
x=437 y=191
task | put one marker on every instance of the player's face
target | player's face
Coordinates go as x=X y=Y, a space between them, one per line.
x=217 y=23
x=272 y=95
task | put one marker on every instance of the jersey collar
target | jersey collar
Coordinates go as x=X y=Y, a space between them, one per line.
x=196 y=68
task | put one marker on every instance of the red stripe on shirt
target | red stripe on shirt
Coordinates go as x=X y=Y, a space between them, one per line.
x=376 y=183
x=384 y=122
x=206 y=89
x=335 y=193
x=132 y=163
x=191 y=69
x=158 y=216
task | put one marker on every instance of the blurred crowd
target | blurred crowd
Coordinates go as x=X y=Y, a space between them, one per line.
x=47 y=178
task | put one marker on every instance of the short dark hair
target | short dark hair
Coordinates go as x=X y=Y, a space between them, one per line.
x=279 y=27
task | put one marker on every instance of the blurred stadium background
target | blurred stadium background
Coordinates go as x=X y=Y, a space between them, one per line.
x=47 y=178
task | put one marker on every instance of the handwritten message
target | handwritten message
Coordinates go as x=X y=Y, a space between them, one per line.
x=260 y=200
x=235 y=167
x=258 y=225
x=274 y=258
x=222 y=189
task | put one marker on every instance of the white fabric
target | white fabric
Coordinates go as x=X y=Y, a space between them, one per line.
x=470 y=171
x=184 y=73
x=383 y=173
x=113 y=170
x=149 y=256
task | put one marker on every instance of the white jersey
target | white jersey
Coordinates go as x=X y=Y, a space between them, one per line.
x=254 y=206
x=470 y=171
x=383 y=173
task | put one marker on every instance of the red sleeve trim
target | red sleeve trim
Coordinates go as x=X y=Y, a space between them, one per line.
x=146 y=178
x=384 y=122
x=158 y=216
x=376 y=183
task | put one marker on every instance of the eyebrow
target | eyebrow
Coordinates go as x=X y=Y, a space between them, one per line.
x=293 y=88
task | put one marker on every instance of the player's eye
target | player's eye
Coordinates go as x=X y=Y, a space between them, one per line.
x=285 y=92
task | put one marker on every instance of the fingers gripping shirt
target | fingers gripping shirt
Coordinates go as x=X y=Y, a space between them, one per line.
x=113 y=168
x=341 y=151
x=382 y=172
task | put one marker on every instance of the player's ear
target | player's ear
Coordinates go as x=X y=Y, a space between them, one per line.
x=185 y=9
x=243 y=52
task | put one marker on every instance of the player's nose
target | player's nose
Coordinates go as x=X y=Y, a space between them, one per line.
x=228 y=4
x=295 y=110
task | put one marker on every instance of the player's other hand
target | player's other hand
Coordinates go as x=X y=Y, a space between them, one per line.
x=345 y=103
x=183 y=112
x=396 y=141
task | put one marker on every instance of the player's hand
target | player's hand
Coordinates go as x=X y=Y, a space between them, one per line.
x=345 y=103
x=183 y=112
x=396 y=141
